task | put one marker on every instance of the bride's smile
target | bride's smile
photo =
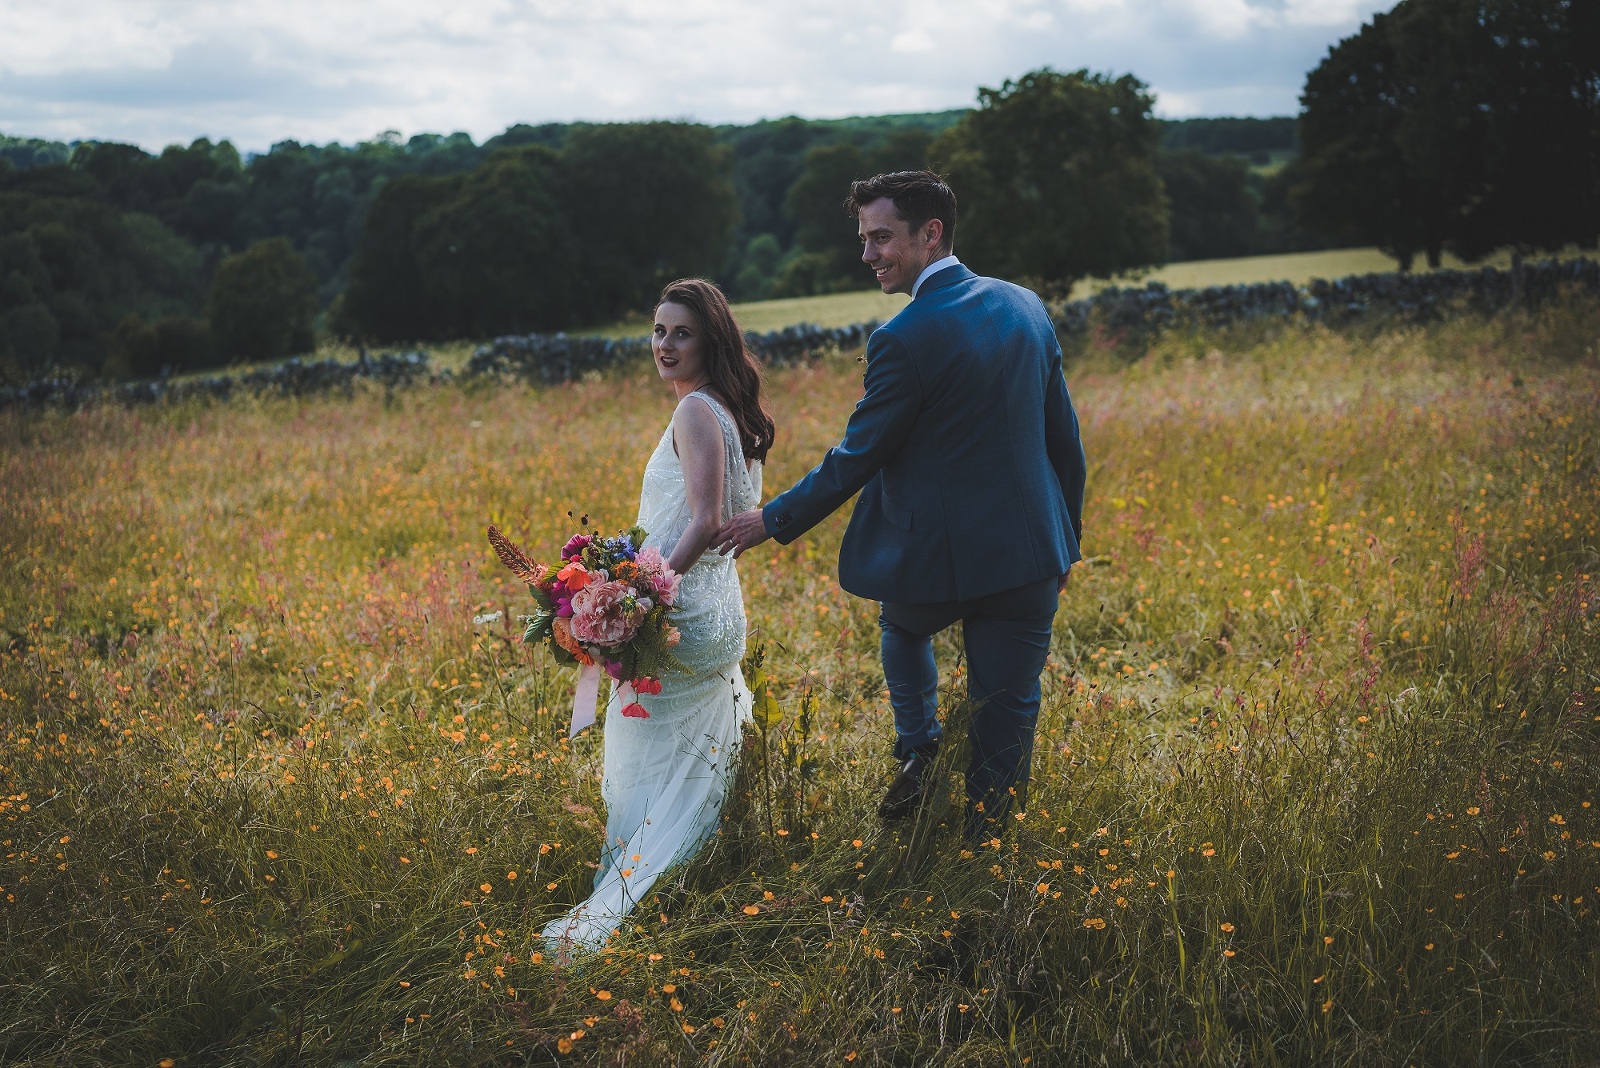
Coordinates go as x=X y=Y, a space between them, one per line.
x=677 y=346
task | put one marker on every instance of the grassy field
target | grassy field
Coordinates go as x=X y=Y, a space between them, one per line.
x=1315 y=777
x=1296 y=267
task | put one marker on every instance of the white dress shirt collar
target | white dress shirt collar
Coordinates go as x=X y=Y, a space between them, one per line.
x=931 y=269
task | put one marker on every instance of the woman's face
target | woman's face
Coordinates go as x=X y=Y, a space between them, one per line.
x=679 y=347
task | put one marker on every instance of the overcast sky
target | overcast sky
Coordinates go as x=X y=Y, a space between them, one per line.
x=159 y=71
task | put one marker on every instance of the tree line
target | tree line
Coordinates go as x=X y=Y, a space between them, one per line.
x=1460 y=125
x=125 y=262
x=1443 y=124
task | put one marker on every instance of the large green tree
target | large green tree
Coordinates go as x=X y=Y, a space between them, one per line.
x=1461 y=124
x=1530 y=71
x=647 y=202
x=1056 y=178
x=263 y=303
x=497 y=255
x=1361 y=181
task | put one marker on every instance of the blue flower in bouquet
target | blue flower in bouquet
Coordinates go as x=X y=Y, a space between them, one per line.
x=621 y=547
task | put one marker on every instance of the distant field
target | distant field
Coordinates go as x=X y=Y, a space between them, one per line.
x=841 y=309
x=836 y=309
x=1296 y=267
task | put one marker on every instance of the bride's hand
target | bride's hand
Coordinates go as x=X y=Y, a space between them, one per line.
x=744 y=531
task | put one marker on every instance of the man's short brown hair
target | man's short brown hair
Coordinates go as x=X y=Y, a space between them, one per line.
x=918 y=196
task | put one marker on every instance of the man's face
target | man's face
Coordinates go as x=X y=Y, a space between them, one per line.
x=895 y=254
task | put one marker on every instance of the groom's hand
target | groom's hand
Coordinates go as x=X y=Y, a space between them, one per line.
x=744 y=531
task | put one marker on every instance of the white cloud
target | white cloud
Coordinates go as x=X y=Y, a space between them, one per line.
x=913 y=39
x=155 y=71
x=1225 y=19
x=1342 y=14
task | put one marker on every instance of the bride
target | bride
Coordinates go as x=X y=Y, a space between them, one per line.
x=666 y=776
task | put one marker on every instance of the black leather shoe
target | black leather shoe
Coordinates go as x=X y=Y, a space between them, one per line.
x=910 y=784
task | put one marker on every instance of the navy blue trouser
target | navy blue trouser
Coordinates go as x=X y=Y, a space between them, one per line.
x=1007 y=638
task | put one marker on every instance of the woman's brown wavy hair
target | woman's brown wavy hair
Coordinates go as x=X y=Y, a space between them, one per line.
x=734 y=373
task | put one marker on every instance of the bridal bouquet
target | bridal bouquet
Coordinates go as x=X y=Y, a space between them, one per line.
x=604 y=607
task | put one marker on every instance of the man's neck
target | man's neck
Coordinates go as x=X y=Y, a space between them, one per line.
x=933 y=268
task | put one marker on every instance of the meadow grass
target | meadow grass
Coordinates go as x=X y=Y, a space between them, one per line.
x=1314 y=783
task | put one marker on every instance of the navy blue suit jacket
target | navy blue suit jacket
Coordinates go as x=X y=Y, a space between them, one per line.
x=964 y=448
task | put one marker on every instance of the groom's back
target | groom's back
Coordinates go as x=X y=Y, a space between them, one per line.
x=981 y=476
x=980 y=341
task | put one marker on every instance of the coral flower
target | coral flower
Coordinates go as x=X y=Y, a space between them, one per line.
x=575 y=576
x=636 y=711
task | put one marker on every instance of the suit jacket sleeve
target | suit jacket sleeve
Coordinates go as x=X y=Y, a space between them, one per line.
x=1064 y=444
x=877 y=429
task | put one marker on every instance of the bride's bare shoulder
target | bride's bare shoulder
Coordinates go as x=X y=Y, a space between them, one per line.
x=695 y=424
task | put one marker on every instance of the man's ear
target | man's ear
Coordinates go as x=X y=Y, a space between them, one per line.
x=933 y=232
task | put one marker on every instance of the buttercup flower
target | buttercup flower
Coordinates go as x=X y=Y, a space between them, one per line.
x=605 y=614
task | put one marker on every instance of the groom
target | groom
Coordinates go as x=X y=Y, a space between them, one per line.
x=965 y=451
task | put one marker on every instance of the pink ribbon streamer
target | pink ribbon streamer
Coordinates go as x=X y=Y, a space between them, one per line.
x=584 y=697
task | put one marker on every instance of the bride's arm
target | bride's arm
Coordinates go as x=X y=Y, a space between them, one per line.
x=698 y=438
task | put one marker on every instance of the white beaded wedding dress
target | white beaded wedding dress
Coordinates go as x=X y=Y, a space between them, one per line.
x=666 y=777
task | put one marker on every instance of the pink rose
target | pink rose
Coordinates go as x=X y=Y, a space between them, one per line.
x=661 y=579
x=605 y=613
